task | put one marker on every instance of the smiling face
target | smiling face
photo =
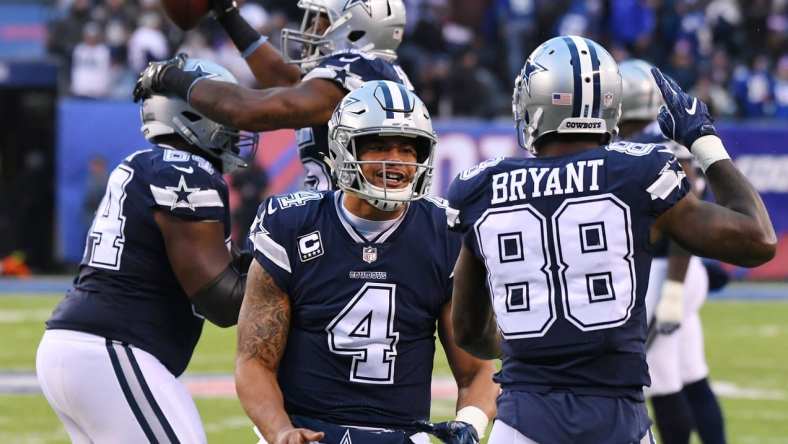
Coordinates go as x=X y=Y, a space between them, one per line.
x=377 y=149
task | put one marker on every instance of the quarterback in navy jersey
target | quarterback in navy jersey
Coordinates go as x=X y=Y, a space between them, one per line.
x=157 y=262
x=337 y=329
x=341 y=44
x=553 y=269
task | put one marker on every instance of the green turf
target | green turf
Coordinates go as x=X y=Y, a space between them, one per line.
x=745 y=345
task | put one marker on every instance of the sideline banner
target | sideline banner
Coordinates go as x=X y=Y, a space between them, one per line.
x=111 y=130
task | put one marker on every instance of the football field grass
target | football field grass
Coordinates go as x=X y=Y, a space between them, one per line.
x=746 y=345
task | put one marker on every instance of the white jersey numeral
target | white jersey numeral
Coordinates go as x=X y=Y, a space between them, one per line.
x=364 y=329
x=108 y=226
x=592 y=239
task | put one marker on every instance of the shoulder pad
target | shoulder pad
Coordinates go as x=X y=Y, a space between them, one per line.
x=187 y=185
x=350 y=69
x=632 y=148
x=477 y=169
x=297 y=199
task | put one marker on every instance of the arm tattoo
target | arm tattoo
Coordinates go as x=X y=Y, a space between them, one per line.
x=264 y=320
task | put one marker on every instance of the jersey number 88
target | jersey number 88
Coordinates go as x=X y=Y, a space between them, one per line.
x=591 y=241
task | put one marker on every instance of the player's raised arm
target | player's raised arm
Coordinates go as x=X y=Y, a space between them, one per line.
x=263 y=327
x=306 y=104
x=737 y=229
x=266 y=62
x=472 y=311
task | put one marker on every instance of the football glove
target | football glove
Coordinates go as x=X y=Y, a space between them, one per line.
x=450 y=432
x=670 y=308
x=682 y=118
x=150 y=80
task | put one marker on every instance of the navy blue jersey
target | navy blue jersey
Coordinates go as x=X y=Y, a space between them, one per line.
x=126 y=289
x=653 y=134
x=364 y=313
x=349 y=69
x=565 y=241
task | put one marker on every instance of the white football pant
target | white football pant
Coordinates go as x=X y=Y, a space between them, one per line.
x=677 y=359
x=107 y=392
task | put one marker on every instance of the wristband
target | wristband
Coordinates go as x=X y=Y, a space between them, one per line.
x=253 y=47
x=475 y=417
x=241 y=32
x=707 y=150
x=179 y=82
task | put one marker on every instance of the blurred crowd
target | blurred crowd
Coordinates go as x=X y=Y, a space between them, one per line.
x=463 y=55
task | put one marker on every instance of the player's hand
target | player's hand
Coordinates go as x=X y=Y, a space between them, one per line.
x=222 y=7
x=451 y=432
x=298 y=436
x=670 y=308
x=150 y=80
x=682 y=118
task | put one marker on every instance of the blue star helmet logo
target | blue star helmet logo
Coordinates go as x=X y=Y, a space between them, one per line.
x=202 y=73
x=364 y=4
x=529 y=70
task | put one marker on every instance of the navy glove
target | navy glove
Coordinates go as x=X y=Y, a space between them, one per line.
x=151 y=79
x=450 y=432
x=682 y=118
x=166 y=77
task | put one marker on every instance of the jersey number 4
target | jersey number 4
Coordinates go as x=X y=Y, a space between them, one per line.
x=106 y=237
x=364 y=329
x=592 y=242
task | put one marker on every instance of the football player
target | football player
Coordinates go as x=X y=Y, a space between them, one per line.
x=678 y=285
x=562 y=241
x=342 y=43
x=157 y=263
x=336 y=332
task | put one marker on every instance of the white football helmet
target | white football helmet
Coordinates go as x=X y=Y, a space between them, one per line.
x=641 y=98
x=380 y=108
x=569 y=84
x=163 y=115
x=374 y=26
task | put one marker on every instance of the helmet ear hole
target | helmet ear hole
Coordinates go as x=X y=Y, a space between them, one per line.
x=356 y=35
x=193 y=117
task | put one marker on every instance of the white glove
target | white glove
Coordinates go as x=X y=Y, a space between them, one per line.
x=670 y=308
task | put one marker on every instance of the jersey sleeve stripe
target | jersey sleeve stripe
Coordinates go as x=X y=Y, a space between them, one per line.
x=270 y=249
x=196 y=199
x=664 y=185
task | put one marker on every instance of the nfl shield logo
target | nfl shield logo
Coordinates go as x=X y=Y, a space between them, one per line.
x=369 y=254
x=607 y=100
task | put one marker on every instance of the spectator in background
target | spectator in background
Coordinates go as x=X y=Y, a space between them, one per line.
x=682 y=67
x=473 y=90
x=517 y=27
x=720 y=102
x=96 y=183
x=64 y=34
x=147 y=42
x=251 y=184
x=781 y=88
x=754 y=88
x=90 y=65
x=632 y=23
